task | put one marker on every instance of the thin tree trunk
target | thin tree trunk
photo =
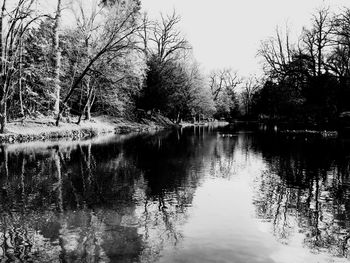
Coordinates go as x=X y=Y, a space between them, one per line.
x=88 y=86
x=80 y=116
x=1 y=35
x=2 y=76
x=57 y=63
x=76 y=83
x=6 y=162
x=319 y=58
x=3 y=111
x=87 y=107
x=20 y=75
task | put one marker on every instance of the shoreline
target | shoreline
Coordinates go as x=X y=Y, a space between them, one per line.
x=200 y=124
x=44 y=129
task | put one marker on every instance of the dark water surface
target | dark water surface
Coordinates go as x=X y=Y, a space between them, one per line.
x=192 y=195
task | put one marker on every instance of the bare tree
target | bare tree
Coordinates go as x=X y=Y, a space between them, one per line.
x=250 y=87
x=317 y=39
x=277 y=53
x=201 y=100
x=21 y=75
x=168 y=41
x=339 y=60
x=57 y=56
x=223 y=80
x=116 y=36
x=144 y=35
x=87 y=25
x=14 y=23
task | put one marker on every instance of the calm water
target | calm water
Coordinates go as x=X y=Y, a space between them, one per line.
x=193 y=195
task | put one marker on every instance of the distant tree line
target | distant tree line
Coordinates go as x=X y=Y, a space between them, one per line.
x=308 y=80
x=223 y=86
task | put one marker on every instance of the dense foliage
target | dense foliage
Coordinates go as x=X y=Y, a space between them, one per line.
x=111 y=59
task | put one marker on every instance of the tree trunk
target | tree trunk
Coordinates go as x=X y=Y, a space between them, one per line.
x=87 y=106
x=57 y=62
x=3 y=113
x=178 y=118
x=79 y=119
x=1 y=37
x=88 y=86
x=88 y=111
x=3 y=109
x=20 y=75
x=6 y=161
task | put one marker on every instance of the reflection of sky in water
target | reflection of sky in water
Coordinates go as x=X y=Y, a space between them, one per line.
x=188 y=196
x=222 y=226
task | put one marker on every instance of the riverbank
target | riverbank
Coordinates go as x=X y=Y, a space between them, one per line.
x=207 y=123
x=324 y=134
x=43 y=128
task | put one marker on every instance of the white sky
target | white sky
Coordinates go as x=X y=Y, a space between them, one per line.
x=227 y=33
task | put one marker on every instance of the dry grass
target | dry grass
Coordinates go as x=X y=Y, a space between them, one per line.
x=43 y=128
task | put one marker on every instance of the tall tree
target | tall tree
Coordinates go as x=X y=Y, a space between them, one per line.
x=57 y=56
x=250 y=87
x=167 y=40
x=223 y=84
x=277 y=53
x=14 y=23
x=166 y=82
x=222 y=80
x=339 y=60
x=117 y=35
x=87 y=27
x=317 y=39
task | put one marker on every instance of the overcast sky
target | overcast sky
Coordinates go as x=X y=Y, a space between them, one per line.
x=227 y=33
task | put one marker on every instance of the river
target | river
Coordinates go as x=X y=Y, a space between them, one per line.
x=199 y=194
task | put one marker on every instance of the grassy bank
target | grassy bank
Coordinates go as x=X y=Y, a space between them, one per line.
x=43 y=128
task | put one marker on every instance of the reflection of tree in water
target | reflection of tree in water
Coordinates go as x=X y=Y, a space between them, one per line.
x=306 y=188
x=51 y=203
x=68 y=204
x=118 y=201
x=171 y=173
x=222 y=162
